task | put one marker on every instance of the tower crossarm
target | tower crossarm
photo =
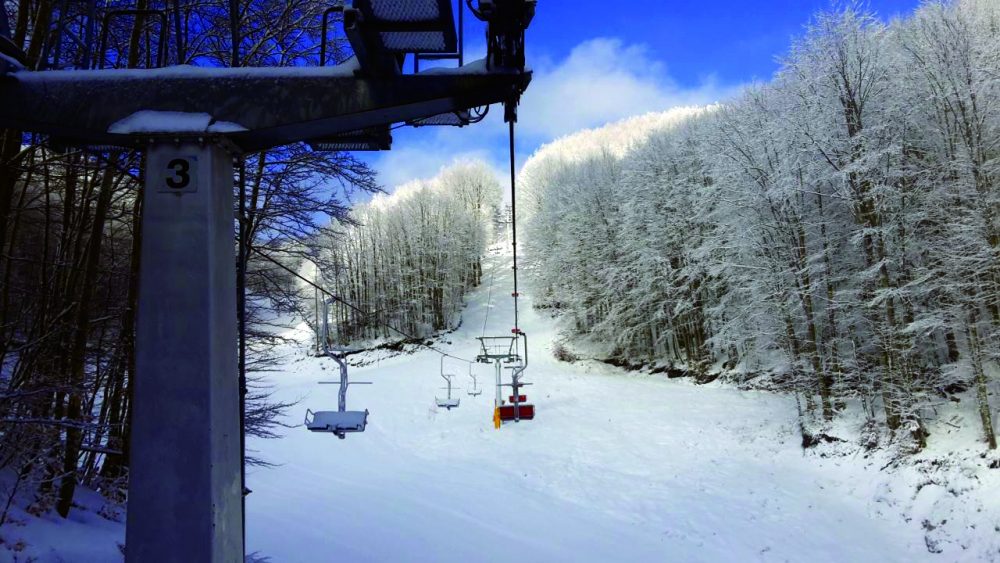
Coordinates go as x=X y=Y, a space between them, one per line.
x=254 y=108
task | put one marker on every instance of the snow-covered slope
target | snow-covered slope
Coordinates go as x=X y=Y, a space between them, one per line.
x=616 y=466
x=93 y=533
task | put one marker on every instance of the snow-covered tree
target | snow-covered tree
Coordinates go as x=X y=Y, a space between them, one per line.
x=834 y=232
x=405 y=260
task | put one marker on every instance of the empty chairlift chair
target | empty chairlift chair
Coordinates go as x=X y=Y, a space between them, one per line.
x=340 y=421
x=475 y=391
x=449 y=402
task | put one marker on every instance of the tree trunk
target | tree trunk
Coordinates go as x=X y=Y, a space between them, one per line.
x=77 y=358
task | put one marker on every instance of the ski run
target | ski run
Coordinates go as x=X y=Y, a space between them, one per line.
x=616 y=466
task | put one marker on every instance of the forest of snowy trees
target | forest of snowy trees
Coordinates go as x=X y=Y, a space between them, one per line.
x=406 y=260
x=834 y=232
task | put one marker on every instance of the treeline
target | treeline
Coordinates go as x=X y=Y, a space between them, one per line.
x=406 y=260
x=835 y=232
x=70 y=232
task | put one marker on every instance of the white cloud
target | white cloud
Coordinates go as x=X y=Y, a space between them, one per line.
x=416 y=159
x=604 y=80
x=601 y=80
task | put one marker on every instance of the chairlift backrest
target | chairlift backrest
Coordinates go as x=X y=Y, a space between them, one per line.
x=475 y=390
x=448 y=403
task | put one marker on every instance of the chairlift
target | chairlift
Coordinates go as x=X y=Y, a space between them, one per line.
x=475 y=391
x=516 y=408
x=340 y=421
x=501 y=350
x=449 y=402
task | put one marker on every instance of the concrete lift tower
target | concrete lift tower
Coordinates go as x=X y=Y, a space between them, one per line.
x=184 y=501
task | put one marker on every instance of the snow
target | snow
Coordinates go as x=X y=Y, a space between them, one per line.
x=151 y=121
x=345 y=69
x=9 y=64
x=178 y=72
x=616 y=466
x=91 y=534
x=478 y=66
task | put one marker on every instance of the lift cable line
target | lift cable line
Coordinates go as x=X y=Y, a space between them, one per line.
x=513 y=219
x=355 y=308
x=507 y=349
x=489 y=297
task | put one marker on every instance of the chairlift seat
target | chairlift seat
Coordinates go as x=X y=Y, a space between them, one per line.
x=338 y=422
x=447 y=403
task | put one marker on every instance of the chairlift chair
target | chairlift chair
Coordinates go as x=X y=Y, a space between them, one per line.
x=475 y=391
x=449 y=402
x=501 y=350
x=340 y=421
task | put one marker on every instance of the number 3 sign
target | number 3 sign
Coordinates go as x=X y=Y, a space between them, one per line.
x=180 y=175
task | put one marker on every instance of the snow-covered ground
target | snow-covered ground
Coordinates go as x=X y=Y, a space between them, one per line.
x=616 y=466
x=93 y=533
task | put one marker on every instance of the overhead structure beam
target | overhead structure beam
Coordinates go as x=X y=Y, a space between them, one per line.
x=268 y=106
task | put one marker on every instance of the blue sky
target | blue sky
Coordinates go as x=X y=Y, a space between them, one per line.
x=597 y=62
